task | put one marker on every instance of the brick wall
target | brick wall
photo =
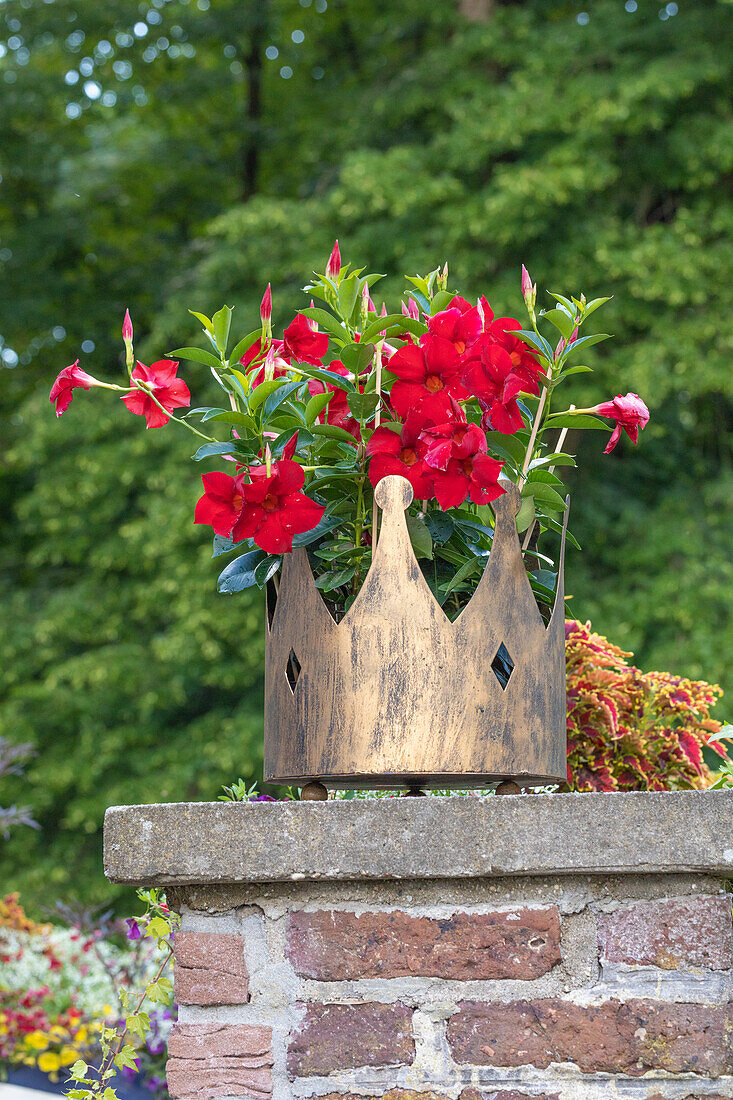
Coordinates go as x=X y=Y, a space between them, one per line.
x=474 y=989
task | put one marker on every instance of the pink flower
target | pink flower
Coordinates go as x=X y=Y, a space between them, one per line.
x=127 y=328
x=529 y=289
x=630 y=414
x=171 y=392
x=70 y=379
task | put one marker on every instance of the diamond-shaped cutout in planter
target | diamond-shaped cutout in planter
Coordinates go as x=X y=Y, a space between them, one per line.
x=292 y=670
x=502 y=665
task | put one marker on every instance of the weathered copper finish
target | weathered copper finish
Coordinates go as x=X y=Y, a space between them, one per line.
x=396 y=695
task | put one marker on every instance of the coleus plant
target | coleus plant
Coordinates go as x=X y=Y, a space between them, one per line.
x=440 y=391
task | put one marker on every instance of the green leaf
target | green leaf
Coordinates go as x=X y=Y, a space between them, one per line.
x=157 y=928
x=363 y=405
x=205 y=321
x=526 y=514
x=330 y=431
x=138 y=1024
x=79 y=1070
x=240 y=573
x=562 y=322
x=266 y=569
x=587 y=341
x=508 y=445
x=545 y=494
x=222 y=323
x=316 y=405
x=348 y=293
x=554 y=525
x=357 y=357
x=209 y=449
x=557 y=458
x=327 y=321
x=329 y=377
x=441 y=300
x=574 y=420
x=160 y=992
x=545 y=476
x=594 y=305
x=393 y=323
x=242 y=420
x=125 y=1059
x=440 y=526
x=275 y=399
x=244 y=345
x=328 y=581
x=467 y=569
x=420 y=537
x=573 y=370
x=197 y=355
x=262 y=392
x=529 y=336
x=224 y=544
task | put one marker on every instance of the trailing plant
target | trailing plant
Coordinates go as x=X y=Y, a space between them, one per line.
x=630 y=730
x=439 y=390
x=723 y=777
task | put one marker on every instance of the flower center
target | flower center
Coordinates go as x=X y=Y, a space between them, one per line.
x=468 y=466
x=515 y=357
x=270 y=503
x=237 y=502
x=408 y=456
x=459 y=435
x=433 y=383
x=460 y=346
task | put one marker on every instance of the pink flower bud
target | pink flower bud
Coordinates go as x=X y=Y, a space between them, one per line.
x=266 y=306
x=573 y=336
x=383 y=311
x=561 y=345
x=334 y=262
x=529 y=289
x=127 y=328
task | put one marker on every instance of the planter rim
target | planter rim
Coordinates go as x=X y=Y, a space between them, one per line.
x=435 y=837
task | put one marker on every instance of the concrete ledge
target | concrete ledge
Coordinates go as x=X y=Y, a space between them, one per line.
x=416 y=838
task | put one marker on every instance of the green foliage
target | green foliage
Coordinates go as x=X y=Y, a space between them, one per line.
x=602 y=150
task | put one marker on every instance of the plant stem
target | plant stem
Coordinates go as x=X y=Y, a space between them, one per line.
x=177 y=419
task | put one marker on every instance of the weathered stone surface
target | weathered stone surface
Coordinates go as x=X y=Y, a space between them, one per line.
x=671 y=934
x=212 y=1060
x=200 y=842
x=467 y=1094
x=343 y=1036
x=334 y=945
x=210 y=969
x=500 y=1094
x=613 y=1037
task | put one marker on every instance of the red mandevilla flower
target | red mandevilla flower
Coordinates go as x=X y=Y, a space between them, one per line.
x=274 y=509
x=221 y=504
x=400 y=454
x=171 y=392
x=424 y=373
x=303 y=342
x=70 y=379
x=456 y=454
x=630 y=414
x=460 y=324
x=493 y=378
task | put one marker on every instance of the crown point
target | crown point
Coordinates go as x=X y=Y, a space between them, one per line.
x=394 y=491
x=511 y=498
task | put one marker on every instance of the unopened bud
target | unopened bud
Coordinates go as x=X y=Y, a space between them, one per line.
x=573 y=336
x=269 y=365
x=529 y=290
x=127 y=339
x=266 y=306
x=561 y=345
x=333 y=266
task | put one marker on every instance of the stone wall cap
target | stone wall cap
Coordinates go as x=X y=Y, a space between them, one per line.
x=420 y=838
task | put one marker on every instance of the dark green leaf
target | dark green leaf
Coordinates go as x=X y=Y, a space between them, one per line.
x=244 y=345
x=240 y=573
x=222 y=323
x=275 y=399
x=197 y=355
x=266 y=569
x=363 y=405
x=575 y=420
x=357 y=357
x=420 y=537
x=316 y=405
x=210 y=449
x=440 y=526
x=327 y=321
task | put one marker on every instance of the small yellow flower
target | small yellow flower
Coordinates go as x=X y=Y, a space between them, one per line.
x=68 y=1056
x=81 y=1034
x=36 y=1040
x=49 y=1062
x=58 y=1033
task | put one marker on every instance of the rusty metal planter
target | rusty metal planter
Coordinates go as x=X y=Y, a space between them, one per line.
x=396 y=694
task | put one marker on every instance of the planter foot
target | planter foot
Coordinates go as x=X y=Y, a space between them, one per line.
x=314 y=792
x=413 y=792
x=508 y=787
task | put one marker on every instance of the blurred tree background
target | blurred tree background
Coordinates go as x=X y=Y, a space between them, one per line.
x=168 y=154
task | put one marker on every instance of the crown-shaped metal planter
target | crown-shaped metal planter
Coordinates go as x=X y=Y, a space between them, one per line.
x=396 y=694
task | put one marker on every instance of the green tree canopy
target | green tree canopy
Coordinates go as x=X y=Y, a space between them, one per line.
x=597 y=151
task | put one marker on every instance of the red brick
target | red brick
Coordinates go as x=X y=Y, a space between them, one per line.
x=333 y=945
x=467 y=1094
x=210 y=969
x=672 y=934
x=613 y=1037
x=344 y=1036
x=211 y=1060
